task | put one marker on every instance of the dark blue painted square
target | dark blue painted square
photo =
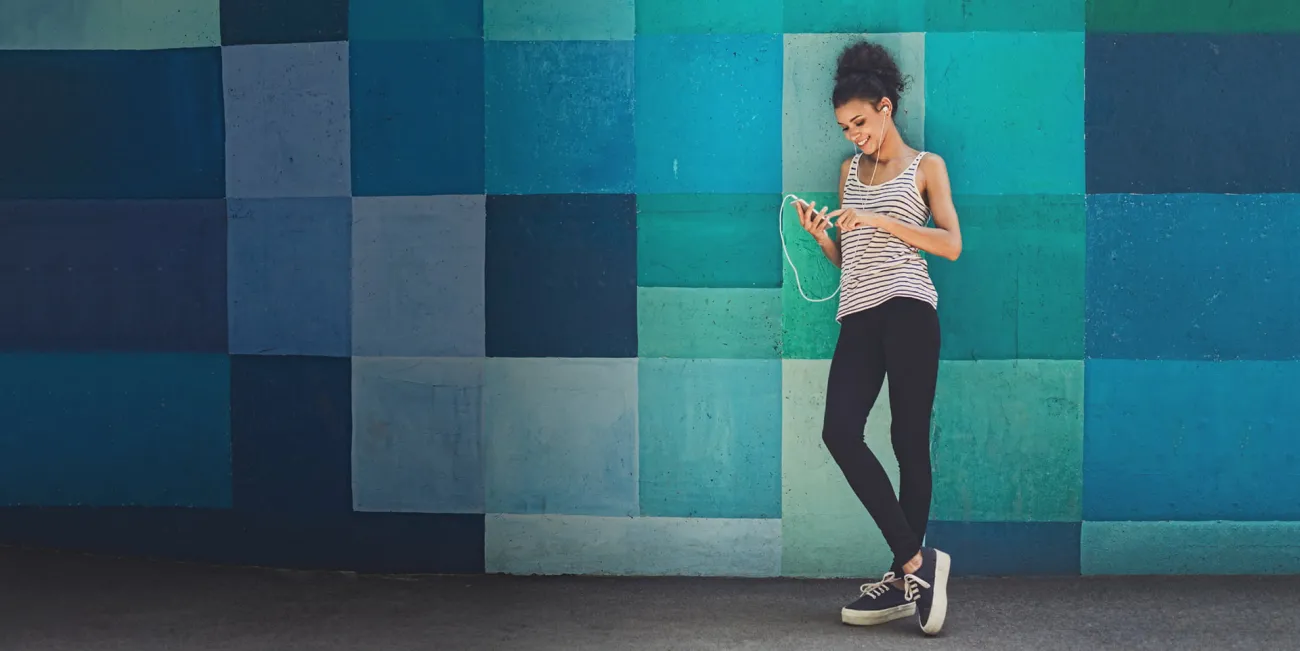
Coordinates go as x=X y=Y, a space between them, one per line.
x=443 y=543
x=1009 y=548
x=115 y=429
x=561 y=276
x=414 y=20
x=112 y=124
x=290 y=276
x=1192 y=276
x=113 y=275
x=560 y=117
x=1180 y=113
x=244 y=22
x=291 y=431
x=417 y=117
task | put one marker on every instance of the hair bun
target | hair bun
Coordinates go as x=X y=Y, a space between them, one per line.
x=866 y=59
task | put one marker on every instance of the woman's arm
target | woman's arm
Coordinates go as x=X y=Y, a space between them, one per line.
x=945 y=239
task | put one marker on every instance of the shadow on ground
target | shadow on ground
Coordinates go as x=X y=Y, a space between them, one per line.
x=66 y=602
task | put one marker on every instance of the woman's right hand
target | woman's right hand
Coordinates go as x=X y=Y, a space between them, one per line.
x=814 y=221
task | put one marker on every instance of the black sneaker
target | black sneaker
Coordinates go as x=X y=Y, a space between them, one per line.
x=929 y=587
x=880 y=602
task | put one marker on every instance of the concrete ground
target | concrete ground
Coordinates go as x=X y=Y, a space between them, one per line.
x=65 y=602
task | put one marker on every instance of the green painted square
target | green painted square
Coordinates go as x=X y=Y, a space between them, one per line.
x=825 y=530
x=707 y=240
x=709 y=436
x=111 y=25
x=559 y=20
x=854 y=16
x=708 y=16
x=812 y=146
x=1005 y=110
x=697 y=323
x=1016 y=292
x=808 y=329
x=1208 y=16
x=1004 y=15
x=1008 y=441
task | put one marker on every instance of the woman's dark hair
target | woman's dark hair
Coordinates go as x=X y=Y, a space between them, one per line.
x=867 y=71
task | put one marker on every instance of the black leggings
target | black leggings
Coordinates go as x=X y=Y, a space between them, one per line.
x=899 y=338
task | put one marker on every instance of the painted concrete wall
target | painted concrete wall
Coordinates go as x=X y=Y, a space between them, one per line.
x=495 y=285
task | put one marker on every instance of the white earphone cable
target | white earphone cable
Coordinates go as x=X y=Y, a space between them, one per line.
x=780 y=223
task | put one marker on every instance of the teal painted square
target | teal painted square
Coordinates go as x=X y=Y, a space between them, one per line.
x=559 y=20
x=1004 y=15
x=812 y=145
x=560 y=436
x=708 y=16
x=710 y=438
x=689 y=323
x=558 y=115
x=109 y=429
x=707 y=240
x=1005 y=110
x=414 y=20
x=854 y=16
x=708 y=114
x=1017 y=291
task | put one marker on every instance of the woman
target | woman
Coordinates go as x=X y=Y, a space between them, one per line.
x=888 y=327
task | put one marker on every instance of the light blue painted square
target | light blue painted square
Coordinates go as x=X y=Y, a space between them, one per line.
x=288 y=129
x=1005 y=110
x=288 y=274
x=559 y=20
x=813 y=145
x=414 y=20
x=708 y=114
x=710 y=438
x=417 y=276
x=559 y=117
x=583 y=544
x=417 y=442
x=561 y=436
x=115 y=429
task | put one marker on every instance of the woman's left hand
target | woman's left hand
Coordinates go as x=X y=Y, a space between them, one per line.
x=850 y=219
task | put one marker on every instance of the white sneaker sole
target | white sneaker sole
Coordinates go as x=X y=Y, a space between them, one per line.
x=939 y=607
x=874 y=617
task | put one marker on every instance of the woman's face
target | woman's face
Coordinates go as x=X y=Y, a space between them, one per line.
x=862 y=123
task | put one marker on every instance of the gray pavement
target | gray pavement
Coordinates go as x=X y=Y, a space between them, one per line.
x=66 y=602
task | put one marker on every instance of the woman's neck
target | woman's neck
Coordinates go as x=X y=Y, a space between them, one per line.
x=893 y=147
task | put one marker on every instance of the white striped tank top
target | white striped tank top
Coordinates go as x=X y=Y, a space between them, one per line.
x=875 y=265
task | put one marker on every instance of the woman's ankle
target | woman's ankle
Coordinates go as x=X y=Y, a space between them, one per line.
x=913 y=565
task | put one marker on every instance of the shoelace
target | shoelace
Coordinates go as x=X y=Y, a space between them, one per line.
x=875 y=590
x=912 y=585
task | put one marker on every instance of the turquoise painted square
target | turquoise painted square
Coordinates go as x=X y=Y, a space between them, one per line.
x=1005 y=110
x=115 y=25
x=559 y=20
x=812 y=145
x=854 y=16
x=560 y=436
x=1004 y=15
x=414 y=20
x=710 y=438
x=707 y=240
x=690 y=323
x=557 y=117
x=708 y=114
x=1016 y=292
x=708 y=16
